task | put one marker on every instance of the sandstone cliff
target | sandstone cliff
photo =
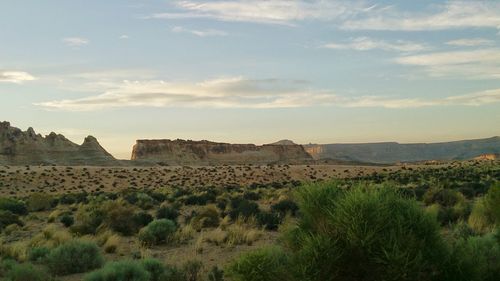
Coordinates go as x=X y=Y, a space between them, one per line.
x=28 y=148
x=186 y=152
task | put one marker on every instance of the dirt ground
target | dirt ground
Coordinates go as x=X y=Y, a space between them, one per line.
x=20 y=181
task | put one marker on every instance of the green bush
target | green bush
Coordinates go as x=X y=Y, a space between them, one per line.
x=267 y=264
x=120 y=271
x=143 y=270
x=158 y=271
x=38 y=254
x=26 y=272
x=243 y=208
x=158 y=231
x=15 y=206
x=285 y=206
x=74 y=257
x=364 y=234
x=67 y=220
x=269 y=220
x=8 y=218
x=142 y=218
x=492 y=203
x=476 y=259
x=118 y=217
x=40 y=202
x=88 y=218
x=167 y=212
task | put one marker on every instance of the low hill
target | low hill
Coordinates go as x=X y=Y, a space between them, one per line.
x=392 y=152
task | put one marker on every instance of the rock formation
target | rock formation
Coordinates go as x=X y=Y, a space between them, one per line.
x=28 y=148
x=186 y=152
x=392 y=152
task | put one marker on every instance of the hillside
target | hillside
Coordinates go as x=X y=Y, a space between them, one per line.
x=392 y=152
x=29 y=148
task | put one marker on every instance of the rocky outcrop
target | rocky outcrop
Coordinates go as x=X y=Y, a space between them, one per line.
x=487 y=157
x=392 y=152
x=28 y=148
x=187 y=152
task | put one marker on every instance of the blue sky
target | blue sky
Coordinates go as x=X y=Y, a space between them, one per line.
x=251 y=71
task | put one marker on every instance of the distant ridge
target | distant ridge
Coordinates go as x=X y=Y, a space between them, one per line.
x=393 y=152
x=28 y=148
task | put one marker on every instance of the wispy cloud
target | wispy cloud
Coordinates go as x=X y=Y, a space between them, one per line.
x=75 y=41
x=245 y=93
x=124 y=36
x=17 y=77
x=453 y=14
x=474 y=64
x=471 y=42
x=270 y=12
x=366 y=44
x=200 y=33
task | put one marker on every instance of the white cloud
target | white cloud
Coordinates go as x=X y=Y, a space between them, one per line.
x=366 y=44
x=270 y=11
x=17 y=77
x=75 y=41
x=470 y=42
x=453 y=14
x=124 y=36
x=474 y=64
x=244 y=93
x=200 y=33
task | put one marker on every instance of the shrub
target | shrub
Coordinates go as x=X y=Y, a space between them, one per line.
x=159 y=272
x=374 y=227
x=112 y=243
x=88 y=218
x=208 y=217
x=144 y=201
x=74 y=257
x=8 y=218
x=158 y=231
x=269 y=220
x=476 y=259
x=37 y=254
x=142 y=218
x=15 y=206
x=40 y=202
x=120 y=271
x=26 y=272
x=492 y=203
x=167 y=212
x=285 y=206
x=243 y=208
x=191 y=270
x=118 y=217
x=73 y=198
x=67 y=220
x=480 y=218
x=201 y=199
x=216 y=274
x=444 y=197
x=267 y=264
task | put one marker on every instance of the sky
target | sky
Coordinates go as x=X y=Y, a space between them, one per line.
x=313 y=71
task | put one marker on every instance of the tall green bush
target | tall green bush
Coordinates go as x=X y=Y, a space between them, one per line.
x=74 y=257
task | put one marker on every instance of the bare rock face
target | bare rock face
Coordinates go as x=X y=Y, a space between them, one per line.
x=28 y=148
x=186 y=152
